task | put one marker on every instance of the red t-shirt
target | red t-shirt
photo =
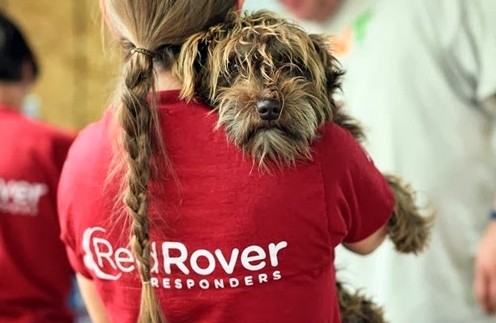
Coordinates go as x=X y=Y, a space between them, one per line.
x=230 y=244
x=35 y=275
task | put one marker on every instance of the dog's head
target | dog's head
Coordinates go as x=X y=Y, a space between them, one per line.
x=271 y=83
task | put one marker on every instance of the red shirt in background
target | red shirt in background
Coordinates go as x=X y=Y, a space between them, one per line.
x=35 y=276
x=229 y=243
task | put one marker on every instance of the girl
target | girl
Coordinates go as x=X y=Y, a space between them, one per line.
x=171 y=222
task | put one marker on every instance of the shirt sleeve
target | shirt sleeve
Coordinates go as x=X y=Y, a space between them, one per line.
x=473 y=45
x=358 y=196
x=66 y=196
x=54 y=154
x=479 y=38
x=485 y=20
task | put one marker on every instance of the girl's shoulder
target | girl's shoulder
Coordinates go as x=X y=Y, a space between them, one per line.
x=91 y=153
x=337 y=144
x=94 y=138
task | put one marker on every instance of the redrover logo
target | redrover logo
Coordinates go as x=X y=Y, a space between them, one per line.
x=21 y=197
x=110 y=263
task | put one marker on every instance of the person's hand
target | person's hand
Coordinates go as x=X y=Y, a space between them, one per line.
x=318 y=10
x=485 y=270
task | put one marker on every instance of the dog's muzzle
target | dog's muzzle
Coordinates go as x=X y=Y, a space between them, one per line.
x=269 y=110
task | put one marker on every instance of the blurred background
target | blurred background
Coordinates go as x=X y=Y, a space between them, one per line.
x=76 y=71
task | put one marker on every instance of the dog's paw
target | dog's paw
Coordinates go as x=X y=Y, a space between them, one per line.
x=408 y=229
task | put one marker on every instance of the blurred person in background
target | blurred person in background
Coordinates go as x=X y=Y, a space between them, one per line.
x=423 y=81
x=35 y=276
x=421 y=76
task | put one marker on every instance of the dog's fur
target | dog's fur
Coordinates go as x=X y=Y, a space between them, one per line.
x=234 y=66
x=357 y=308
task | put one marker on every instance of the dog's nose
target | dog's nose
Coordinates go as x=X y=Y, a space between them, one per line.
x=268 y=110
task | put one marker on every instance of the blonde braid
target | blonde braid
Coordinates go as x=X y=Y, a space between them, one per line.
x=161 y=27
x=138 y=119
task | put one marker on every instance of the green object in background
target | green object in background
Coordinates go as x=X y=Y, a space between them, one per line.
x=360 y=25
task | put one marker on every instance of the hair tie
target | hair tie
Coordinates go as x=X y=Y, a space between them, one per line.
x=143 y=51
x=146 y=282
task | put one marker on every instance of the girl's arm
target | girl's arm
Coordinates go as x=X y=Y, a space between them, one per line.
x=369 y=244
x=94 y=304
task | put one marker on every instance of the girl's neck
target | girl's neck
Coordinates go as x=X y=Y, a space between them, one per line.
x=166 y=81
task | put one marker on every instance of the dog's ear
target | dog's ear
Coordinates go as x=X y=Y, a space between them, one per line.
x=190 y=62
x=333 y=74
x=332 y=68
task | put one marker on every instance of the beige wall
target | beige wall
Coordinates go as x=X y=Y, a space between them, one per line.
x=76 y=75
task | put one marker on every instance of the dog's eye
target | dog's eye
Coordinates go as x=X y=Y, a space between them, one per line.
x=234 y=67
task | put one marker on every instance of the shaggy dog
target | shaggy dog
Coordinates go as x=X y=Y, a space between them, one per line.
x=273 y=87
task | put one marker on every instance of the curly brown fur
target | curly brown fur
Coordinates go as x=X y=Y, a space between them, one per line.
x=260 y=58
x=407 y=228
x=356 y=308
